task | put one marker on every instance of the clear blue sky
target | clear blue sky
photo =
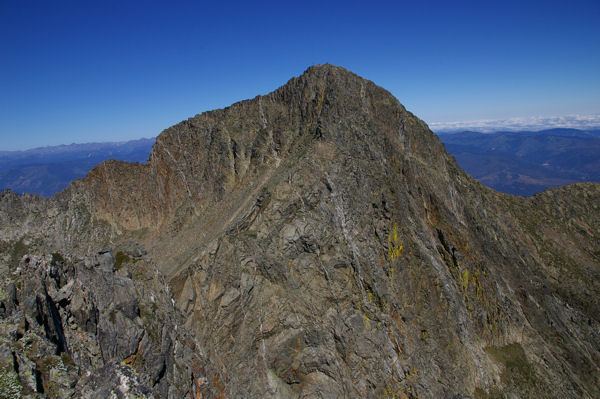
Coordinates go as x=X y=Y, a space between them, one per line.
x=81 y=71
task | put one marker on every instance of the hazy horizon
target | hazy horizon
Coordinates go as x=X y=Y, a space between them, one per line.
x=452 y=127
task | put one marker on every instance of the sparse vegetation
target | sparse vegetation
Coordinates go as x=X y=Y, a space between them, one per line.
x=10 y=385
x=18 y=250
x=120 y=259
x=464 y=280
x=518 y=374
x=395 y=246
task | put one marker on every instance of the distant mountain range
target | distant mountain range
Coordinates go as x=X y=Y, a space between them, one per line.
x=48 y=170
x=519 y=163
x=525 y=163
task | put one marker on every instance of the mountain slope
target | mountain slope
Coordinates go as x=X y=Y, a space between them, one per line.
x=319 y=241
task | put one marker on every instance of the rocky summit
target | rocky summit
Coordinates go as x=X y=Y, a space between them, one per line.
x=314 y=242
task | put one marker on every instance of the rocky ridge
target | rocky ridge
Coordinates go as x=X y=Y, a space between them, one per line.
x=317 y=241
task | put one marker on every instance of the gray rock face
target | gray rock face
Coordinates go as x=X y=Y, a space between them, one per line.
x=85 y=329
x=317 y=241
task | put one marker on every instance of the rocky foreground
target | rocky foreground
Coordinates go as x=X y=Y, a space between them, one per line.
x=317 y=241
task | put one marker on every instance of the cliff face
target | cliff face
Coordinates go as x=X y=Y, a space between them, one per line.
x=318 y=241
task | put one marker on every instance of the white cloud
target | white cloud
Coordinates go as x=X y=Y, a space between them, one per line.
x=529 y=123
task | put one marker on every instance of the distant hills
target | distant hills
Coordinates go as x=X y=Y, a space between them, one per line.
x=525 y=163
x=48 y=170
x=519 y=163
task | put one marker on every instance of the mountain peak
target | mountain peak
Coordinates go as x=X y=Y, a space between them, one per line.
x=200 y=160
x=314 y=241
x=321 y=70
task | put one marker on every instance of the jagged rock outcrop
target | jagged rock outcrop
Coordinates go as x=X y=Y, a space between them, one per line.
x=95 y=327
x=317 y=241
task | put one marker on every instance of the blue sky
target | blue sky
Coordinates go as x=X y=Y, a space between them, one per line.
x=82 y=71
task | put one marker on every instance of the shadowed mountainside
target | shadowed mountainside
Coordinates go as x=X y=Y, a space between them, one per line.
x=317 y=241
